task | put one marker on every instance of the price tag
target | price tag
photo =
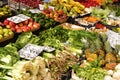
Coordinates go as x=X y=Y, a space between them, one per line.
x=30 y=51
x=52 y=7
x=23 y=16
x=41 y=7
x=48 y=49
x=18 y=18
x=113 y=38
x=35 y=11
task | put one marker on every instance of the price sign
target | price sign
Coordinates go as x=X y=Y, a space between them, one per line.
x=113 y=38
x=23 y=16
x=30 y=51
x=18 y=18
x=48 y=49
x=35 y=11
x=41 y=7
x=52 y=7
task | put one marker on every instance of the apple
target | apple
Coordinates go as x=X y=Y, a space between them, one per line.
x=48 y=15
x=30 y=20
x=6 y=34
x=20 y=24
x=31 y=27
x=24 y=29
x=25 y=22
x=30 y=23
x=6 y=22
x=28 y=28
x=36 y=25
x=12 y=24
x=16 y=27
x=1 y=31
x=13 y=28
x=19 y=30
x=7 y=26
x=5 y=30
x=0 y=27
x=10 y=33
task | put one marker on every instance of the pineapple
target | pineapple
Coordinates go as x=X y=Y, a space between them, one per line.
x=104 y=37
x=110 y=58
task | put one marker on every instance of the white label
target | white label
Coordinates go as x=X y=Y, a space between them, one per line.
x=52 y=7
x=35 y=11
x=18 y=18
x=48 y=49
x=113 y=38
x=41 y=7
x=30 y=51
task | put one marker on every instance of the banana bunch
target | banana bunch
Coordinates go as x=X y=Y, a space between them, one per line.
x=70 y=7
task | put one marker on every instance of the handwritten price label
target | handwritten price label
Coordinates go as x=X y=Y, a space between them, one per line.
x=113 y=38
x=18 y=18
x=41 y=7
x=52 y=7
x=35 y=11
x=30 y=51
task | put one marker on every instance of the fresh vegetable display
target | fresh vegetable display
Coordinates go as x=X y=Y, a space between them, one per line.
x=60 y=40
x=8 y=57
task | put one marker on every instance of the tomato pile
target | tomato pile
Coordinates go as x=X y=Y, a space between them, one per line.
x=88 y=3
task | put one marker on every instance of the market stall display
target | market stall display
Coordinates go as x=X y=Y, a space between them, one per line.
x=60 y=40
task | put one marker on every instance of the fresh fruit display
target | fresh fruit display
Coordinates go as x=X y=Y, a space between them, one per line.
x=58 y=16
x=5 y=11
x=5 y=34
x=27 y=25
x=45 y=21
x=70 y=7
x=88 y=3
x=31 y=3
